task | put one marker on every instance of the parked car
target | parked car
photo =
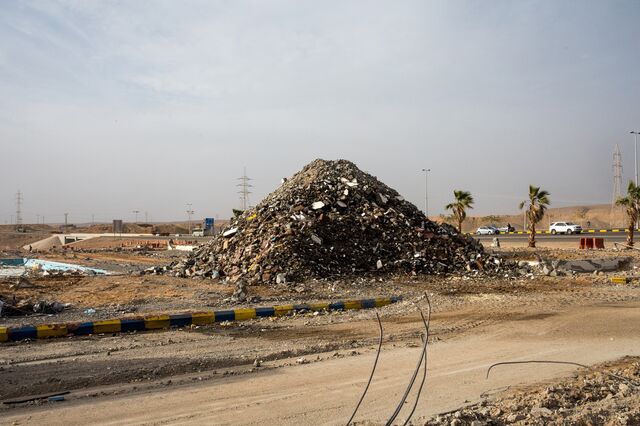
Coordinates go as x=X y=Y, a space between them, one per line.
x=565 y=228
x=487 y=230
x=506 y=229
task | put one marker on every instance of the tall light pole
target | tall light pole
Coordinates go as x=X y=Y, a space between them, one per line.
x=136 y=213
x=635 y=150
x=426 y=192
x=635 y=134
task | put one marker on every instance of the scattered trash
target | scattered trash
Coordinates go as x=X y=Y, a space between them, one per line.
x=55 y=398
x=240 y=292
x=49 y=307
x=12 y=307
x=90 y=311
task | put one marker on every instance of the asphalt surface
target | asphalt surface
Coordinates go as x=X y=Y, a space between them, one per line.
x=618 y=237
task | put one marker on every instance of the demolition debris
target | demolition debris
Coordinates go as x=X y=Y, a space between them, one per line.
x=332 y=220
x=606 y=395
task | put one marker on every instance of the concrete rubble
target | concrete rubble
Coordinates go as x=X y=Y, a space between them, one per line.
x=11 y=306
x=332 y=220
x=560 y=267
x=591 y=398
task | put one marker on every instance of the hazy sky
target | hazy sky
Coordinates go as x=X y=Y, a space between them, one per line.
x=112 y=106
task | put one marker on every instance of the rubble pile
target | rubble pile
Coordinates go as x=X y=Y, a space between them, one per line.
x=332 y=219
x=590 y=398
x=12 y=307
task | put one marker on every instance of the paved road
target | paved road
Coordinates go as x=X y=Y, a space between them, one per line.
x=554 y=241
x=608 y=236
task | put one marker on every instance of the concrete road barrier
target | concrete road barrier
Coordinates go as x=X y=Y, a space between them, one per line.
x=166 y=321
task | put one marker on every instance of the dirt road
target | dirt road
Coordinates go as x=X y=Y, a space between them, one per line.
x=325 y=390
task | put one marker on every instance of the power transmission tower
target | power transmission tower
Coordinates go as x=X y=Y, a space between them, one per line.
x=244 y=189
x=19 y=200
x=189 y=213
x=617 y=179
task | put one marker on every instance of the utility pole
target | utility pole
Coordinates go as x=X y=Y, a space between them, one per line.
x=136 y=213
x=93 y=219
x=66 y=216
x=244 y=189
x=426 y=192
x=189 y=213
x=146 y=217
x=19 y=200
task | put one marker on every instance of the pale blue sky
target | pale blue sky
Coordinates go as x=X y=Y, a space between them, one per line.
x=112 y=106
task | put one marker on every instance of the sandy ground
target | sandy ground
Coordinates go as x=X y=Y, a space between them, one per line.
x=206 y=375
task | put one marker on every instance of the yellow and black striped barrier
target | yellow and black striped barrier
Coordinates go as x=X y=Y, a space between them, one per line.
x=158 y=322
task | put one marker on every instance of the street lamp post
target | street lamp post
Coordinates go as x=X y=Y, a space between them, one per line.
x=635 y=155
x=635 y=151
x=426 y=192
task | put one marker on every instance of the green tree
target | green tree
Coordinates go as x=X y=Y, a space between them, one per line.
x=538 y=202
x=632 y=204
x=463 y=201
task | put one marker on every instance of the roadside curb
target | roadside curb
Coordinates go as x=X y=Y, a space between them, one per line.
x=165 y=321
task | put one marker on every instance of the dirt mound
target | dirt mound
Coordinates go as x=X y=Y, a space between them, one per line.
x=332 y=219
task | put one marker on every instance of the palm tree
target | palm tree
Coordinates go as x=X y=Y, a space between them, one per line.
x=632 y=204
x=538 y=202
x=463 y=201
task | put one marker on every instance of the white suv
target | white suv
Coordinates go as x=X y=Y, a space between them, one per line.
x=565 y=228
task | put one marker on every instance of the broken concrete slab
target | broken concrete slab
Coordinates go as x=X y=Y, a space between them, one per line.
x=592 y=265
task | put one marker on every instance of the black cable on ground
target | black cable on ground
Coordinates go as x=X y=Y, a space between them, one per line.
x=625 y=379
x=427 y=325
x=373 y=370
x=412 y=381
